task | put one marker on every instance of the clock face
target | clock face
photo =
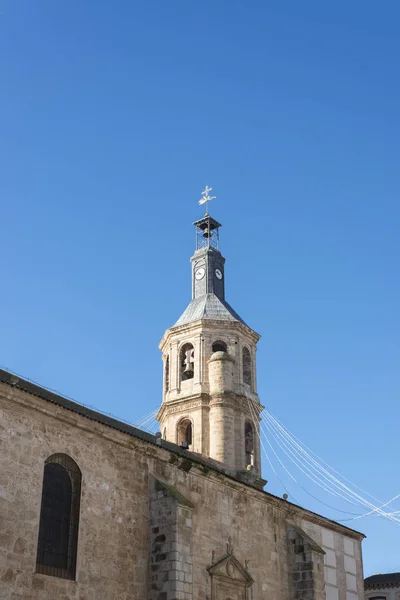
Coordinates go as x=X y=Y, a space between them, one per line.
x=199 y=274
x=218 y=274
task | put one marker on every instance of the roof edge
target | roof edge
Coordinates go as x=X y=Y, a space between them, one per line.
x=25 y=385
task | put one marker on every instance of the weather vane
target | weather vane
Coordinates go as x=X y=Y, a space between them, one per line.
x=206 y=197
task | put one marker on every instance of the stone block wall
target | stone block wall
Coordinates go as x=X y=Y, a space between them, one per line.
x=197 y=413
x=343 y=568
x=306 y=564
x=130 y=523
x=171 y=544
x=202 y=336
x=113 y=527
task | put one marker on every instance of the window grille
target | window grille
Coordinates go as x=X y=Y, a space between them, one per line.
x=59 y=517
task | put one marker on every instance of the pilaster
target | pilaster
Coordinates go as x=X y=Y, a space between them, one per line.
x=171 y=549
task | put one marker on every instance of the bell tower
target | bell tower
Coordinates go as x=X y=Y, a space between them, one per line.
x=210 y=403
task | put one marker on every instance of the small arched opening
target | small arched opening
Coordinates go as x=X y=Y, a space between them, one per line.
x=166 y=375
x=187 y=362
x=246 y=360
x=219 y=346
x=249 y=443
x=165 y=433
x=185 y=432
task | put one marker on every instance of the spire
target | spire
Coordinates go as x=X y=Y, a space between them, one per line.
x=208 y=273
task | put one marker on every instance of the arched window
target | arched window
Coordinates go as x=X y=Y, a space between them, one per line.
x=246 y=366
x=219 y=346
x=187 y=362
x=249 y=443
x=166 y=375
x=59 y=517
x=185 y=432
x=165 y=433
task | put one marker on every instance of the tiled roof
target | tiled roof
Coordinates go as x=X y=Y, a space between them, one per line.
x=381 y=581
x=208 y=306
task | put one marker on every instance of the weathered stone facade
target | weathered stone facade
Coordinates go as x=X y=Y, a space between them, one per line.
x=210 y=375
x=154 y=520
x=215 y=399
x=94 y=509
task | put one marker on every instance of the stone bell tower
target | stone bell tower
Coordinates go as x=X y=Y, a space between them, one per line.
x=210 y=400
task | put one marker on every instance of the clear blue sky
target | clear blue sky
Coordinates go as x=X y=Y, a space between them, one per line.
x=114 y=115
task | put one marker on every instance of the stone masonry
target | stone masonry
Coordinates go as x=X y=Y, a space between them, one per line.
x=171 y=552
x=153 y=520
x=216 y=399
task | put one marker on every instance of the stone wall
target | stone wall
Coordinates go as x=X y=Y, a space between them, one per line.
x=306 y=565
x=122 y=507
x=218 y=431
x=171 y=544
x=112 y=542
x=342 y=563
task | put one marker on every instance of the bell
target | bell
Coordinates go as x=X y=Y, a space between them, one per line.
x=206 y=233
x=188 y=368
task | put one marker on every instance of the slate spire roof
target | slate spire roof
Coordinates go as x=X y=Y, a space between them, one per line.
x=208 y=278
x=208 y=306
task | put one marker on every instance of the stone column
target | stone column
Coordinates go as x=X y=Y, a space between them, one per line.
x=222 y=413
x=222 y=432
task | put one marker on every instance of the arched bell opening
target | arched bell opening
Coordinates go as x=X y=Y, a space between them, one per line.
x=185 y=432
x=249 y=443
x=246 y=362
x=219 y=346
x=166 y=375
x=187 y=362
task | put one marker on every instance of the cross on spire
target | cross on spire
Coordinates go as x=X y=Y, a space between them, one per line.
x=205 y=197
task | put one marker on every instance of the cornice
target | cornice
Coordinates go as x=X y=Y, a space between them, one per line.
x=205 y=325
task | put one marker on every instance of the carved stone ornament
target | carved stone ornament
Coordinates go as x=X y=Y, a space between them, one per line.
x=229 y=578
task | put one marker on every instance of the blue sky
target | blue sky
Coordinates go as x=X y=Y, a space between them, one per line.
x=115 y=115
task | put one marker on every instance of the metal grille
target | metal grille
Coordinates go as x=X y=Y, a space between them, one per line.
x=207 y=233
x=59 y=517
x=207 y=239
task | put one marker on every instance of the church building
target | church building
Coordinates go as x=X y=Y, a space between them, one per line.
x=94 y=509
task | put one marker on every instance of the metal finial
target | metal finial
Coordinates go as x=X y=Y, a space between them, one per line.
x=205 y=197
